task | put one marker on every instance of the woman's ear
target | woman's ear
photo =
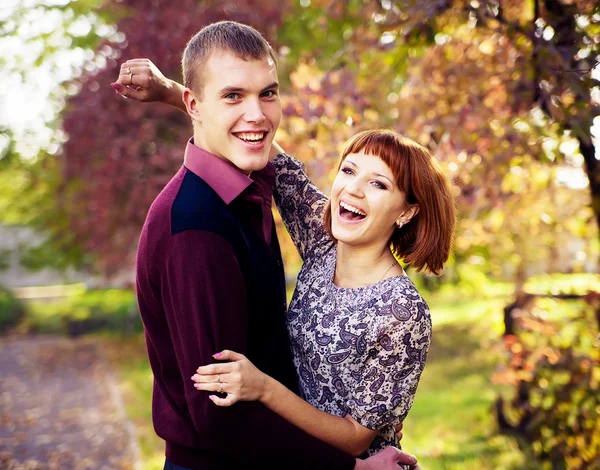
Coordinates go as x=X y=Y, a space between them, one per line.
x=191 y=105
x=407 y=214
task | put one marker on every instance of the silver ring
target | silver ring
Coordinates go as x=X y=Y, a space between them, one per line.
x=130 y=74
x=221 y=389
x=219 y=378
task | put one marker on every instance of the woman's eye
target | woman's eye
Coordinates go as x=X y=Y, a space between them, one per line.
x=379 y=185
x=347 y=171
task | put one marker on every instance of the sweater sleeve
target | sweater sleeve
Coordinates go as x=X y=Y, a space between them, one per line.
x=301 y=205
x=205 y=304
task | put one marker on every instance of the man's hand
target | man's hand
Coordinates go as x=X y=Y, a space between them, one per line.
x=389 y=458
x=141 y=80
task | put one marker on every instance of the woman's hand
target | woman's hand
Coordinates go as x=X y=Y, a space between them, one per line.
x=398 y=430
x=240 y=379
x=141 y=80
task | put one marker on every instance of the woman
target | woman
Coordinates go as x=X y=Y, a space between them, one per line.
x=359 y=329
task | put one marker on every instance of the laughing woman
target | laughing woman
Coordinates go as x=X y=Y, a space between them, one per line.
x=359 y=329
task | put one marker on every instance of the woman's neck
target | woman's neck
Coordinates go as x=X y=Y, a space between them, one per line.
x=363 y=266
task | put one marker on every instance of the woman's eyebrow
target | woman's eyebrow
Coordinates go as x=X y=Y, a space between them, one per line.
x=383 y=176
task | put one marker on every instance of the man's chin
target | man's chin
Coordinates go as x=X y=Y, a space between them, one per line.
x=250 y=163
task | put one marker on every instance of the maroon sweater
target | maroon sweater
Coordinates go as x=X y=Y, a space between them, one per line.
x=209 y=277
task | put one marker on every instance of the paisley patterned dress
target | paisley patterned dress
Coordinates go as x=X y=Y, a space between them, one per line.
x=357 y=351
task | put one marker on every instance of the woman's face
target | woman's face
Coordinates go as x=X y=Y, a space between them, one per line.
x=366 y=203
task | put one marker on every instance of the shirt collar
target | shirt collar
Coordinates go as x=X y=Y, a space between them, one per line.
x=225 y=179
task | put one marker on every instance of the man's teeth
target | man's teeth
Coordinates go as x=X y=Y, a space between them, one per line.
x=251 y=136
x=350 y=208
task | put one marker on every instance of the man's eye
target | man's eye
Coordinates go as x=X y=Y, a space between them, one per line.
x=232 y=96
x=269 y=94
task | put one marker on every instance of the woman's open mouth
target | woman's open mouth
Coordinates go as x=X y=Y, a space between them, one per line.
x=350 y=213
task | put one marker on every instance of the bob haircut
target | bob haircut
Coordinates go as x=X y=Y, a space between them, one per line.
x=240 y=39
x=425 y=241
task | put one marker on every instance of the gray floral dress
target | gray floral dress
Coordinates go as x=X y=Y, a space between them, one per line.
x=357 y=351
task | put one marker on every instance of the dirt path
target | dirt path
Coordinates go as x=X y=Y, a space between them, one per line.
x=60 y=408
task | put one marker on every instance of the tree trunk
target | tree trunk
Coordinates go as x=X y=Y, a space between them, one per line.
x=592 y=168
x=562 y=17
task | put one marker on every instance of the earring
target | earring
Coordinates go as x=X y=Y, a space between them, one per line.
x=400 y=224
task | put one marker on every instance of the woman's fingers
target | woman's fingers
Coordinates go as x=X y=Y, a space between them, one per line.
x=227 y=355
x=139 y=77
x=211 y=386
x=214 y=369
x=128 y=91
x=227 y=401
x=398 y=429
x=207 y=378
x=131 y=62
x=135 y=70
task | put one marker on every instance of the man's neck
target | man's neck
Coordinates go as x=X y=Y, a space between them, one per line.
x=198 y=143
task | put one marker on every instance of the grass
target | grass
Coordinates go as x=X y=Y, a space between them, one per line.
x=128 y=356
x=451 y=425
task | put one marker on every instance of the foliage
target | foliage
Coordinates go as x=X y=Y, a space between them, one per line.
x=43 y=43
x=12 y=310
x=553 y=365
x=569 y=284
x=86 y=311
x=464 y=81
x=462 y=77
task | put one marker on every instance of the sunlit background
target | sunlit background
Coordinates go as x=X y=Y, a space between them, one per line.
x=505 y=94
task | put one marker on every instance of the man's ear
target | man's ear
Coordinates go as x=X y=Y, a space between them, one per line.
x=191 y=105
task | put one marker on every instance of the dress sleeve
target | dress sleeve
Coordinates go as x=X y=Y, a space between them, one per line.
x=301 y=206
x=385 y=385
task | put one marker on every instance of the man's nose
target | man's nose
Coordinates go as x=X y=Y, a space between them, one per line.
x=254 y=112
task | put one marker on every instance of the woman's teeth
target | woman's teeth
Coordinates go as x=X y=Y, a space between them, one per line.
x=353 y=209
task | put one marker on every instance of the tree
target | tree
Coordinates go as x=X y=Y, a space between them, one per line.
x=476 y=82
x=483 y=87
x=44 y=44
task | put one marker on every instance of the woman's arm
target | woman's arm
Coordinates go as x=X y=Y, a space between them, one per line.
x=242 y=381
x=141 y=80
x=301 y=205
x=299 y=201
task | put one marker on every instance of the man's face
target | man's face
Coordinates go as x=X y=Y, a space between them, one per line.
x=239 y=110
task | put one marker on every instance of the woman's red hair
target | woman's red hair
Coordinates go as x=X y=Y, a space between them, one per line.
x=426 y=240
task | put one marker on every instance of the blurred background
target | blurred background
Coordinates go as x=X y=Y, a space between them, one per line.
x=504 y=92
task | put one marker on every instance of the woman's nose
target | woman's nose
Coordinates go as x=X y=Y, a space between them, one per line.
x=355 y=187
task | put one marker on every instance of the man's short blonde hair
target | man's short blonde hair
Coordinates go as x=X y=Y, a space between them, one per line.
x=240 y=39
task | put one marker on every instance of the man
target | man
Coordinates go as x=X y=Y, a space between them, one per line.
x=209 y=271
